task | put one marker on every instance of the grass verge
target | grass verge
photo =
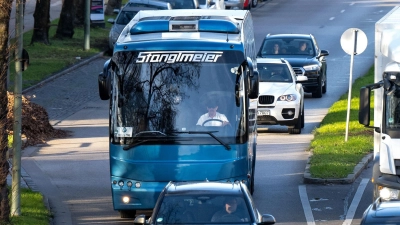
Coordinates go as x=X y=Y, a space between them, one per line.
x=46 y=60
x=33 y=209
x=333 y=157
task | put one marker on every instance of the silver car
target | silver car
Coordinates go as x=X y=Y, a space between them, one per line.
x=183 y=4
x=212 y=4
x=128 y=12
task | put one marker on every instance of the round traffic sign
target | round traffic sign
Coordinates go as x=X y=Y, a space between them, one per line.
x=351 y=37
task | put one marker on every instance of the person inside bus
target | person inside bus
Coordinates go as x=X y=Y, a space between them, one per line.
x=230 y=212
x=212 y=117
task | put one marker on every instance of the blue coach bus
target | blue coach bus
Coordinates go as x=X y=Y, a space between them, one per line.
x=166 y=69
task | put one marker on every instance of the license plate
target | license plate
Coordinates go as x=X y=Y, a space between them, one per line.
x=263 y=113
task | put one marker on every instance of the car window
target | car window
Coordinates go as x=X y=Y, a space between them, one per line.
x=198 y=209
x=274 y=73
x=125 y=17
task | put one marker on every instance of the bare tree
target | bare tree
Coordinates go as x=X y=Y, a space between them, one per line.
x=111 y=5
x=41 y=22
x=5 y=12
x=65 y=28
x=79 y=17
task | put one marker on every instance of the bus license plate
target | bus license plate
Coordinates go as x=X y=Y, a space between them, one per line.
x=263 y=113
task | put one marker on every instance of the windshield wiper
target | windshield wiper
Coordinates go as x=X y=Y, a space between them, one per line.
x=203 y=132
x=141 y=140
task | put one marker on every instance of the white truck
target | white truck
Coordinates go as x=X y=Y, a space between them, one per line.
x=386 y=169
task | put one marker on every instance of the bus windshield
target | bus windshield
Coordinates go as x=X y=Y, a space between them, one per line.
x=161 y=98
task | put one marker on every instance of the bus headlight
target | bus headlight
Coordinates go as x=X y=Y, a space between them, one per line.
x=125 y=199
x=389 y=194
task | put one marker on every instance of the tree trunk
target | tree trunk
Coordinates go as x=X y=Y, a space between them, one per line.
x=65 y=27
x=79 y=17
x=5 y=11
x=41 y=22
x=111 y=5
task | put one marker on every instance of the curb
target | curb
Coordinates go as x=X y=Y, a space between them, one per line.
x=307 y=179
x=64 y=71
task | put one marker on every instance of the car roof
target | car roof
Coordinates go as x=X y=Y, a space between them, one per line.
x=271 y=60
x=289 y=36
x=149 y=3
x=204 y=187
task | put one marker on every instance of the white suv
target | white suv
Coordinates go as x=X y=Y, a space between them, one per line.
x=281 y=98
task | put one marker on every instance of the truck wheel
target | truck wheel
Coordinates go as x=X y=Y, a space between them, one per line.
x=127 y=213
x=318 y=92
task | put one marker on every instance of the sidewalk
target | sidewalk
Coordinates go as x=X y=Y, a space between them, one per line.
x=62 y=95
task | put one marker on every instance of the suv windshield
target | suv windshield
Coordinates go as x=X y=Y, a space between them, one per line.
x=271 y=72
x=287 y=46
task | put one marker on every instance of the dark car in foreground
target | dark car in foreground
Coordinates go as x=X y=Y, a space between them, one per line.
x=303 y=54
x=205 y=203
x=382 y=213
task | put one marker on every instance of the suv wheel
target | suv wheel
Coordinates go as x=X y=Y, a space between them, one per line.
x=318 y=92
x=297 y=127
x=325 y=86
x=254 y=3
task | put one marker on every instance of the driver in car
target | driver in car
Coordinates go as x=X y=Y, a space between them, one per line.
x=230 y=212
x=212 y=118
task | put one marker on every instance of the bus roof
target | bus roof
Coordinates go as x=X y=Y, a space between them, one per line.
x=188 y=24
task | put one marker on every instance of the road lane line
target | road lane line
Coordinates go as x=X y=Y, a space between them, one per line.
x=306 y=205
x=355 y=202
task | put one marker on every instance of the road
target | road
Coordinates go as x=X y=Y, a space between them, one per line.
x=73 y=172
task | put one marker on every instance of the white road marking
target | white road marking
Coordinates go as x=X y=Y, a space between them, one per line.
x=306 y=205
x=355 y=202
x=332 y=18
x=342 y=11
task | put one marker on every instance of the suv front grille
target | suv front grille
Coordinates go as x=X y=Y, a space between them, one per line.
x=266 y=99
x=298 y=70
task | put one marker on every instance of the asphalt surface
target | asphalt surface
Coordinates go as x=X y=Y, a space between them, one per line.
x=67 y=92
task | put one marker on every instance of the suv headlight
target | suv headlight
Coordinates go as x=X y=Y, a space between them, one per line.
x=288 y=98
x=389 y=194
x=311 y=67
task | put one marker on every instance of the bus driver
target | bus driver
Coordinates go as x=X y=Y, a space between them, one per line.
x=212 y=118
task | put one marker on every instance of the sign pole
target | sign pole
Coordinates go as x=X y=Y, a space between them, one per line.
x=350 y=83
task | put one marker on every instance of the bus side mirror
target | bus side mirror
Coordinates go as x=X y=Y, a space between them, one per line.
x=364 y=110
x=104 y=82
x=253 y=92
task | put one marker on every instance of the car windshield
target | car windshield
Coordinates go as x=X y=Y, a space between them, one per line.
x=287 y=46
x=125 y=17
x=271 y=72
x=202 y=208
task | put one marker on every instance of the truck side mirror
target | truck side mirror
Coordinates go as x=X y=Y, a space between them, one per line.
x=364 y=110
